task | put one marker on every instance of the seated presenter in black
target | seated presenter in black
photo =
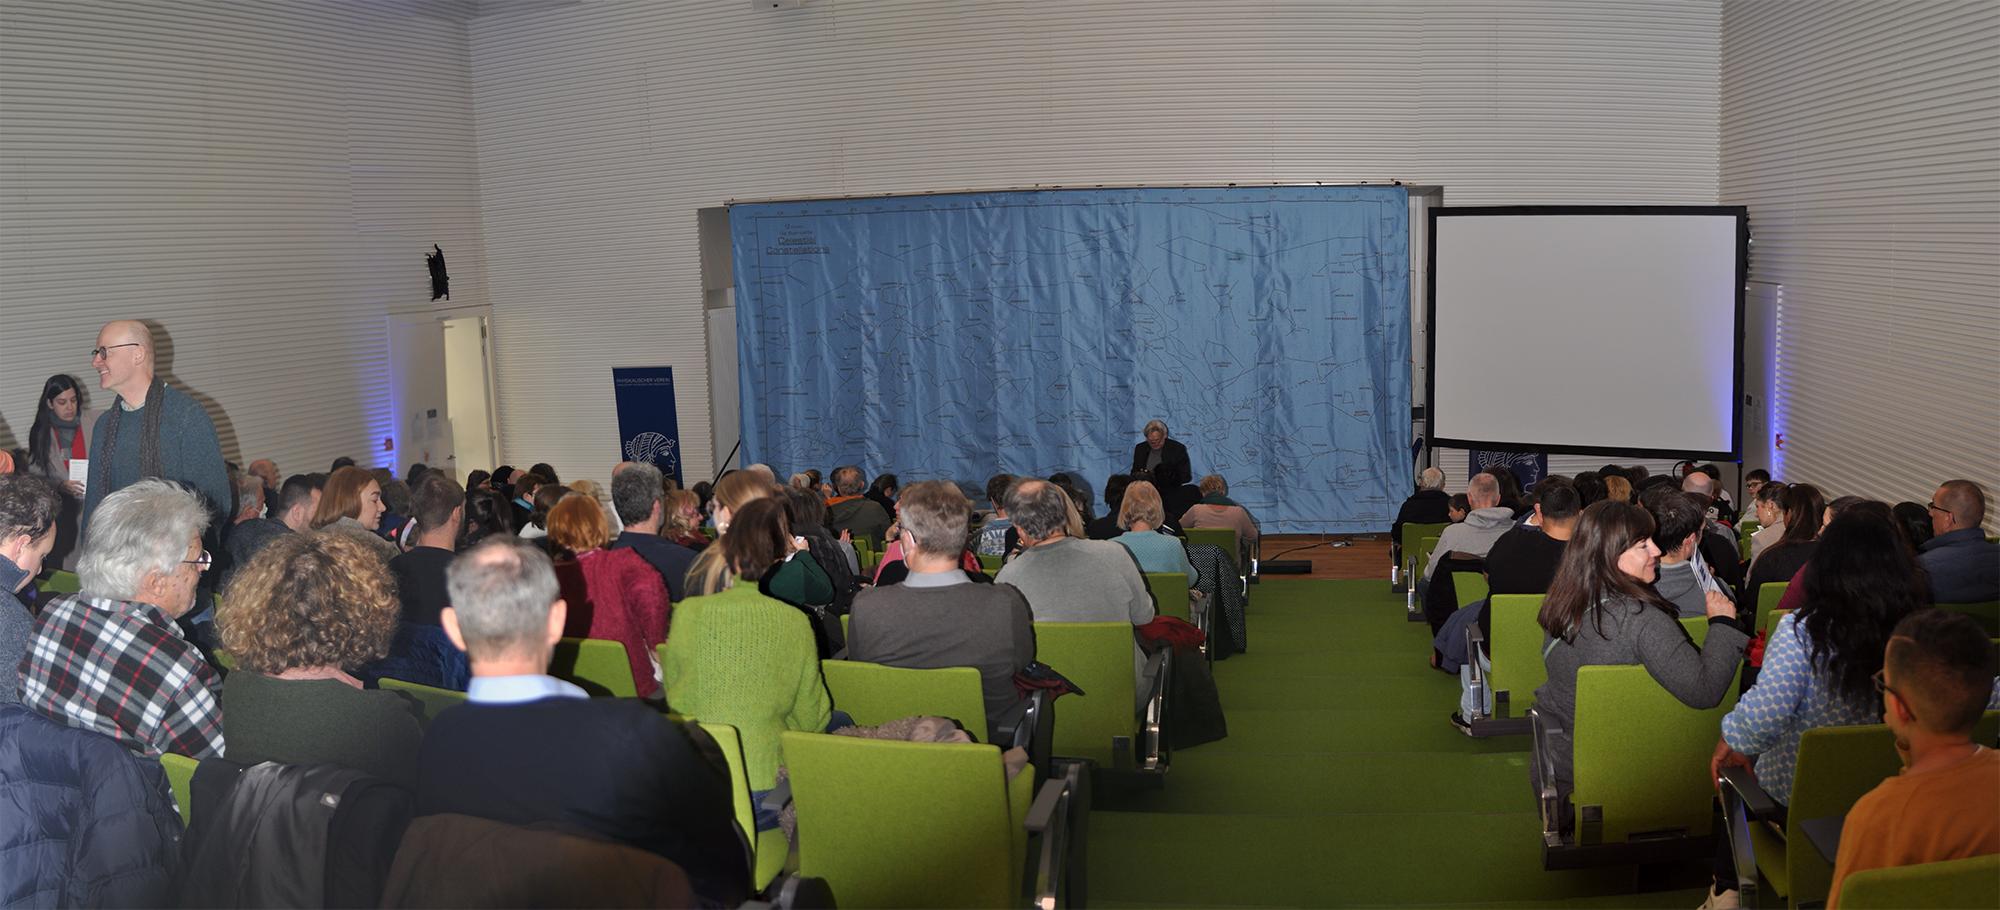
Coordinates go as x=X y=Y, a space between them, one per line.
x=1164 y=460
x=527 y=747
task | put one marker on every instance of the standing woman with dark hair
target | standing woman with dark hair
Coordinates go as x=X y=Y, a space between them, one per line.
x=1602 y=610
x=61 y=434
x=743 y=658
x=1821 y=658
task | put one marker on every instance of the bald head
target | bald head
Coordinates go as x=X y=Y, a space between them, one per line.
x=1431 y=479
x=124 y=359
x=1961 y=502
x=1483 y=491
x=1699 y=484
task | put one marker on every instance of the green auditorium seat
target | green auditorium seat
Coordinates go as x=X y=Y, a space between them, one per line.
x=874 y=694
x=1515 y=655
x=1099 y=725
x=433 y=698
x=768 y=849
x=990 y=564
x=61 y=582
x=1987 y=613
x=1768 y=597
x=1836 y=766
x=1412 y=547
x=1971 y=883
x=180 y=776
x=598 y=666
x=1170 y=594
x=1640 y=759
x=902 y=824
x=1221 y=537
x=1471 y=587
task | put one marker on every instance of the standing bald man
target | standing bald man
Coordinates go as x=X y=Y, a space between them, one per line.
x=152 y=430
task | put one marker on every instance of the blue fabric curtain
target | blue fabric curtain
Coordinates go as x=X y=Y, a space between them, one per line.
x=961 y=336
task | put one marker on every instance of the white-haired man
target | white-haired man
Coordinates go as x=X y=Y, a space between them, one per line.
x=111 y=658
x=1430 y=506
x=1164 y=460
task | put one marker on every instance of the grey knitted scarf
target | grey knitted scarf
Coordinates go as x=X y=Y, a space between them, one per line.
x=150 y=464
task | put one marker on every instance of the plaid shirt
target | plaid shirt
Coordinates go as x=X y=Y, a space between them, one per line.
x=122 y=669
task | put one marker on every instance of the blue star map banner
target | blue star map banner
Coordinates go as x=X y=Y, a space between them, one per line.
x=959 y=336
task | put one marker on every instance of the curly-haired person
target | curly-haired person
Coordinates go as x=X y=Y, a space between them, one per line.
x=300 y=618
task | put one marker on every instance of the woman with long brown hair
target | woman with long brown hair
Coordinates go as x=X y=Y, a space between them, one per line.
x=740 y=657
x=1601 y=610
x=352 y=507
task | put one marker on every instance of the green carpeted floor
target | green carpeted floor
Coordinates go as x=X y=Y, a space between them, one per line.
x=1341 y=782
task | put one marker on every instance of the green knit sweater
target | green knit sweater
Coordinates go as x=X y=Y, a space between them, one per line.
x=740 y=658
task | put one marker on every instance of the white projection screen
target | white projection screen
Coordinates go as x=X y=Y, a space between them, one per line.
x=1588 y=329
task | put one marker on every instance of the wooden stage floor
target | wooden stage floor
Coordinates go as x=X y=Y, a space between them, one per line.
x=1360 y=558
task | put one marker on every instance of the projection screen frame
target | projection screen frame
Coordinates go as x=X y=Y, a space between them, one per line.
x=1742 y=216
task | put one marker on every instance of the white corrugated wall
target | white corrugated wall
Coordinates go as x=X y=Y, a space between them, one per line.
x=259 y=181
x=604 y=126
x=1865 y=139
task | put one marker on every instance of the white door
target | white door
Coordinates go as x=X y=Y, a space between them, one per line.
x=417 y=371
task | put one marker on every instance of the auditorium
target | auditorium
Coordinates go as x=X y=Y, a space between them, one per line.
x=494 y=259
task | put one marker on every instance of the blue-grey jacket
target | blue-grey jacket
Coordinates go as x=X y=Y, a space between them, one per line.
x=1964 y=567
x=88 y=823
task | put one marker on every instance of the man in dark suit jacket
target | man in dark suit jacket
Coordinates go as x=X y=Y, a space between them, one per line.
x=527 y=747
x=1164 y=460
x=636 y=488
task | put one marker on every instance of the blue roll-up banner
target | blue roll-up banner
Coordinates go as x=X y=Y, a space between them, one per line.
x=1528 y=467
x=648 y=429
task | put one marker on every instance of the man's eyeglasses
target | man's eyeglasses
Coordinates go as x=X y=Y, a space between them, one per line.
x=1938 y=508
x=204 y=562
x=105 y=351
x=1881 y=685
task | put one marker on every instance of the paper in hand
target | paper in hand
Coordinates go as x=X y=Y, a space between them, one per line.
x=79 y=471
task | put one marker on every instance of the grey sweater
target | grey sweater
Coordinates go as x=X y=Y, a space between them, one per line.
x=1474 y=535
x=1635 y=633
x=1072 y=580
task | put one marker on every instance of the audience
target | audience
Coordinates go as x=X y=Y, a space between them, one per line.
x=289 y=512
x=29 y=508
x=112 y=658
x=1860 y=583
x=301 y=618
x=993 y=534
x=1462 y=543
x=680 y=519
x=638 y=495
x=1805 y=511
x=1915 y=521
x=1685 y=578
x=1523 y=561
x=1067 y=579
x=1964 y=567
x=1770 y=510
x=613 y=595
x=797 y=579
x=545 y=499
x=521 y=489
x=1430 y=505
x=849 y=511
x=740 y=657
x=486 y=513
x=1457 y=507
x=805 y=511
x=882 y=491
x=937 y=617
x=1217 y=510
x=1601 y=609
x=1140 y=514
x=1936 y=680
x=1106 y=527
x=1510 y=490
x=439 y=504
x=1755 y=480
x=352 y=506
x=527 y=748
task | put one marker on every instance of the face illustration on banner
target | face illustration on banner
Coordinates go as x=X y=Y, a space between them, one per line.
x=653 y=448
